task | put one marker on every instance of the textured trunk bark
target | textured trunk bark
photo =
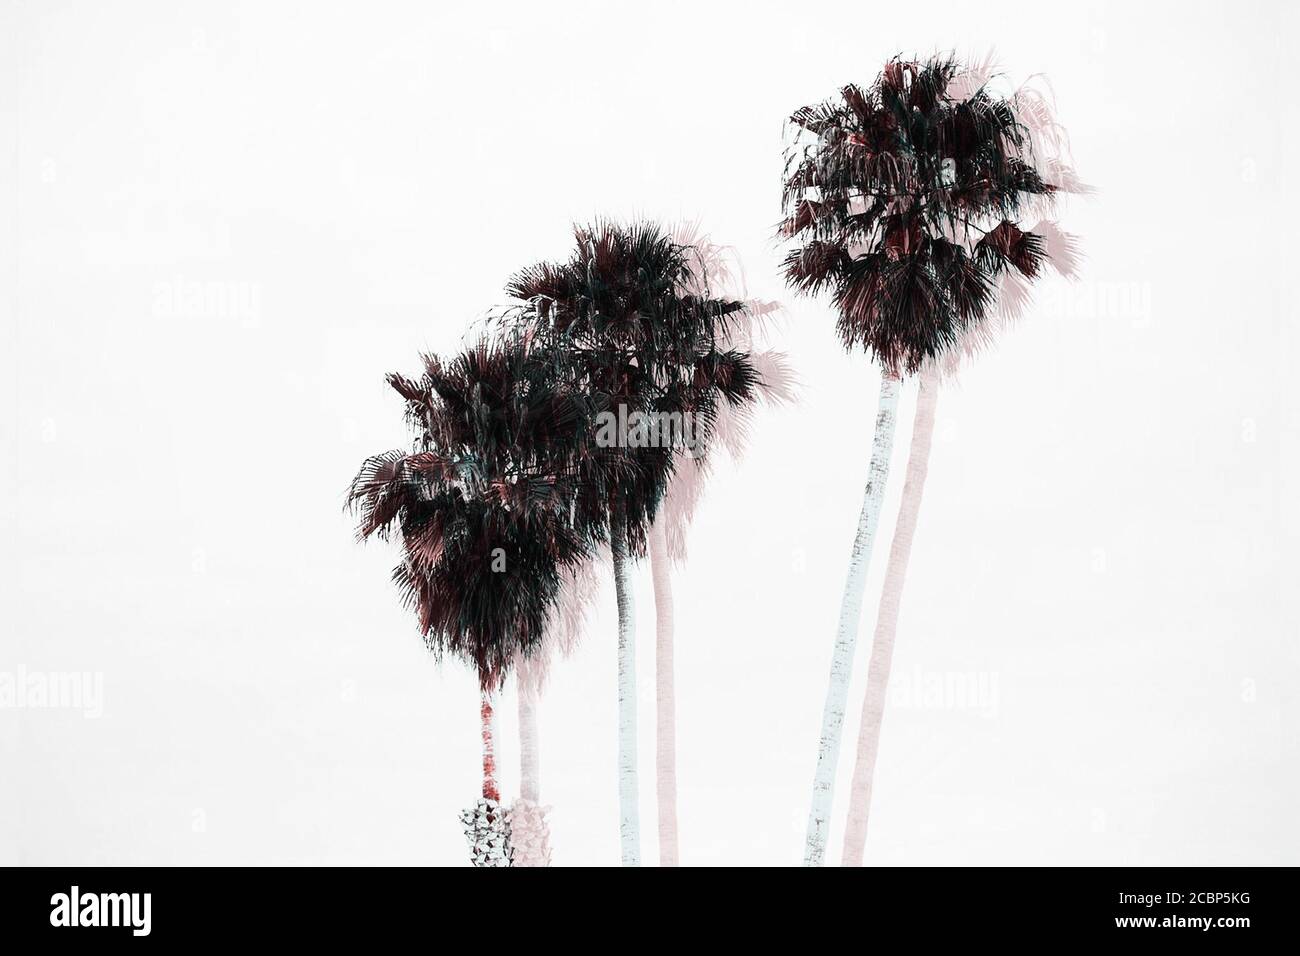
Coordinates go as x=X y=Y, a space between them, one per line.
x=665 y=697
x=486 y=826
x=629 y=826
x=882 y=646
x=530 y=761
x=530 y=834
x=846 y=635
x=490 y=791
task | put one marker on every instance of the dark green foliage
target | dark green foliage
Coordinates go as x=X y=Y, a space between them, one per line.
x=620 y=323
x=904 y=201
x=506 y=484
x=482 y=506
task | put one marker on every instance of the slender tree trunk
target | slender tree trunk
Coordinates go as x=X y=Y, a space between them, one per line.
x=530 y=761
x=629 y=826
x=846 y=635
x=486 y=826
x=490 y=791
x=530 y=833
x=882 y=646
x=665 y=697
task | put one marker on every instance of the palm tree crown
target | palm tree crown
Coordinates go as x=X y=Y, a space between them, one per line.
x=482 y=505
x=628 y=325
x=904 y=197
x=633 y=328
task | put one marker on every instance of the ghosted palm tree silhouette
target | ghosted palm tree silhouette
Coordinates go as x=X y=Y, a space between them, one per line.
x=905 y=199
x=481 y=510
x=628 y=332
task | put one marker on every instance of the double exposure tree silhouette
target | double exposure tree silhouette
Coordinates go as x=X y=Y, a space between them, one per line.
x=905 y=200
x=481 y=508
x=584 y=418
x=625 y=329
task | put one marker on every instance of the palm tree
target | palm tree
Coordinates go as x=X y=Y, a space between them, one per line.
x=904 y=199
x=642 y=350
x=484 y=523
x=1048 y=150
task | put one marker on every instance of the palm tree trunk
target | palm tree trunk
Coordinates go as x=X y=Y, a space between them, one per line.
x=846 y=635
x=490 y=791
x=530 y=833
x=629 y=826
x=665 y=697
x=530 y=760
x=486 y=826
x=882 y=646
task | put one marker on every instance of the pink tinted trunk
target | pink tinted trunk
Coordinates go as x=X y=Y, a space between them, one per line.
x=490 y=791
x=882 y=646
x=665 y=697
x=530 y=786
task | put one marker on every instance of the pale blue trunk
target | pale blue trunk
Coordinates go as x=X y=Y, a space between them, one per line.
x=846 y=635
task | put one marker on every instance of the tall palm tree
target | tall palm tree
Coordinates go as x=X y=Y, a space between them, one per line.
x=904 y=199
x=1046 y=147
x=484 y=521
x=640 y=348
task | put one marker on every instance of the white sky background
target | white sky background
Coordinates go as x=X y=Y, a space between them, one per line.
x=1109 y=530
